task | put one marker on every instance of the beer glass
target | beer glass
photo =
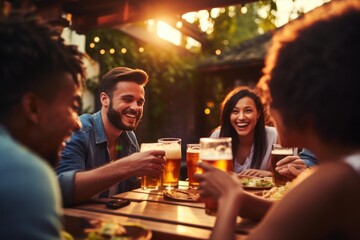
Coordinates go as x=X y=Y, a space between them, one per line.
x=172 y=148
x=150 y=181
x=218 y=153
x=192 y=158
x=277 y=153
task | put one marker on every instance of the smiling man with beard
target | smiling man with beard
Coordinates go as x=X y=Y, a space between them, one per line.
x=103 y=159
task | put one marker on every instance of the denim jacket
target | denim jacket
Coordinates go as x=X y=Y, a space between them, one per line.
x=87 y=150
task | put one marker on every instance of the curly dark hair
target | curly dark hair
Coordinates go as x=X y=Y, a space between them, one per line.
x=312 y=72
x=227 y=130
x=32 y=57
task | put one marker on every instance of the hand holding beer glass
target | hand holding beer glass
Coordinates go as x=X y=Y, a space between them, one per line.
x=277 y=153
x=192 y=158
x=172 y=148
x=150 y=181
x=218 y=153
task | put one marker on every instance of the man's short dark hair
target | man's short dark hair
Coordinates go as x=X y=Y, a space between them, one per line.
x=32 y=57
x=121 y=74
x=313 y=72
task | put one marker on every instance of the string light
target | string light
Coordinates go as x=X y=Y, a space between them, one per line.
x=218 y=52
x=112 y=51
x=69 y=17
x=179 y=24
x=141 y=49
x=102 y=51
x=96 y=39
x=244 y=10
x=210 y=104
x=92 y=45
x=207 y=111
x=123 y=50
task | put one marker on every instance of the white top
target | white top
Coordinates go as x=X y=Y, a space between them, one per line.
x=354 y=162
x=271 y=138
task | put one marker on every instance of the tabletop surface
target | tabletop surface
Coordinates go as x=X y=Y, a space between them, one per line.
x=168 y=219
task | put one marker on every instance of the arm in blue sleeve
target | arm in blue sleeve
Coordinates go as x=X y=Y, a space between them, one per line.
x=72 y=160
x=308 y=157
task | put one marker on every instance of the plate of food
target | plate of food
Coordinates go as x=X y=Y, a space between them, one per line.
x=185 y=195
x=93 y=229
x=255 y=183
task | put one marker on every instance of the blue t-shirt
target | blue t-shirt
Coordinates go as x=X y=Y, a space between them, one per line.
x=30 y=202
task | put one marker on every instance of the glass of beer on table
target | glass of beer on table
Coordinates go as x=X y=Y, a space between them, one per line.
x=277 y=153
x=172 y=148
x=218 y=153
x=150 y=181
x=192 y=158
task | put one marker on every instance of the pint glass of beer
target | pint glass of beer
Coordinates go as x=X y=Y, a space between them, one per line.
x=277 y=153
x=192 y=158
x=150 y=181
x=218 y=153
x=172 y=148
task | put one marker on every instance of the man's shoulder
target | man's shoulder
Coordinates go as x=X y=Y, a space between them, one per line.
x=87 y=120
x=90 y=121
x=24 y=164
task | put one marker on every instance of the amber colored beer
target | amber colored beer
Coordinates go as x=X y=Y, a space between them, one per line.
x=225 y=165
x=277 y=154
x=192 y=158
x=150 y=181
x=218 y=153
x=172 y=148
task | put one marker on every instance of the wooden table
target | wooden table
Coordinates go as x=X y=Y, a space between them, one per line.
x=168 y=219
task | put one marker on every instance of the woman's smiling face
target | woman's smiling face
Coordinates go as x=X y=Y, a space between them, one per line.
x=244 y=116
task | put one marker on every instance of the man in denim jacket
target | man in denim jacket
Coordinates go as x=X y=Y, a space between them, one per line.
x=103 y=159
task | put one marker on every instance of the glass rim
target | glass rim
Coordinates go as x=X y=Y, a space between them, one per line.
x=193 y=144
x=214 y=140
x=169 y=139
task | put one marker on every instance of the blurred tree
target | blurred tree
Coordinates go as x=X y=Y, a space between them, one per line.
x=172 y=96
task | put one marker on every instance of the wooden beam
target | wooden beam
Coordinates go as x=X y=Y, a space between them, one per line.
x=90 y=14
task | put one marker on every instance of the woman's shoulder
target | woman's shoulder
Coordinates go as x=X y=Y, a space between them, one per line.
x=215 y=133
x=271 y=134
x=354 y=162
x=271 y=130
x=336 y=178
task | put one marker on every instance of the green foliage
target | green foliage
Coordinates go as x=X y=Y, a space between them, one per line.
x=173 y=73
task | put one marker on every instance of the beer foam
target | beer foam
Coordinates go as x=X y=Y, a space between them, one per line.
x=193 y=150
x=149 y=146
x=285 y=151
x=212 y=155
x=172 y=151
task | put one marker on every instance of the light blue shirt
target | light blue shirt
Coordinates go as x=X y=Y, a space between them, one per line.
x=308 y=157
x=30 y=202
x=87 y=150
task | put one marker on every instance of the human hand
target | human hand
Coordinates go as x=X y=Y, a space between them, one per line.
x=290 y=166
x=145 y=163
x=255 y=173
x=215 y=183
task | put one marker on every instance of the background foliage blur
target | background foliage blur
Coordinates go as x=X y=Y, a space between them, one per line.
x=173 y=96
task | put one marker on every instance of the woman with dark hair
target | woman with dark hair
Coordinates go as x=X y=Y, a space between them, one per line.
x=242 y=119
x=312 y=76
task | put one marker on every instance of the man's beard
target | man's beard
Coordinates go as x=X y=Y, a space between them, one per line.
x=115 y=119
